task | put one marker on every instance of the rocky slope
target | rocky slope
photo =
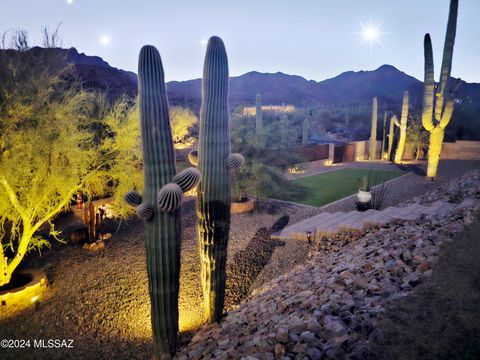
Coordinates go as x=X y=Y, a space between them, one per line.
x=329 y=307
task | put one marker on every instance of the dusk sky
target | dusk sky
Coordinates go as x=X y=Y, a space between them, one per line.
x=315 y=39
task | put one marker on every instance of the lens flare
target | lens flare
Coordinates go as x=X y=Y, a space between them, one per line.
x=371 y=33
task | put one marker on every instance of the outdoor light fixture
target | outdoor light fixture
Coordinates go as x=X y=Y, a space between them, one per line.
x=309 y=237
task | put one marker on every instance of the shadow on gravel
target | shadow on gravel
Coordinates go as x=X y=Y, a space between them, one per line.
x=417 y=170
x=249 y=262
x=441 y=320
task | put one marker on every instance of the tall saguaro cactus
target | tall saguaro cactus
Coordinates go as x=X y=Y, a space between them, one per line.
x=384 y=130
x=441 y=97
x=402 y=124
x=215 y=162
x=391 y=134
x=306 y=127
x=160 y=204
x=258 y=114
x=373 y=133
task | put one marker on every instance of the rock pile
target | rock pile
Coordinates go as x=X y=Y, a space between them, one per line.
x=329 y=307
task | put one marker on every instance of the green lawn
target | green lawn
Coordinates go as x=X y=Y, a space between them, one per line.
x=331 y=186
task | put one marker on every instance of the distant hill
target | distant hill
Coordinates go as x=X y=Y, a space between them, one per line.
x=387 y=83
x=93 y=71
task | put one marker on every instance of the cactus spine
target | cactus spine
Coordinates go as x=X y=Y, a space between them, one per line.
x=306 y=127
x=215 y=163
x=159 y=206
x=382 y=153
x=373 y=133
x=402 y=124
x=391 y=134
x=441 y=99
x=258 y=114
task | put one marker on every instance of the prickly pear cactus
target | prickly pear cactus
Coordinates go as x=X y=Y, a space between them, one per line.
x=215 y=163
x=160 y=204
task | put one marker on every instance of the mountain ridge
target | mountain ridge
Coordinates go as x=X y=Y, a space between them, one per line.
x=386 y=82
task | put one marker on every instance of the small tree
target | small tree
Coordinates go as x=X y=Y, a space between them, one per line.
x=417 y=137
x=183 y=122
x=49 y=151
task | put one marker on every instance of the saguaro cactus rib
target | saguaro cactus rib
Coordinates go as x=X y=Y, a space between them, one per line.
x=214 y=160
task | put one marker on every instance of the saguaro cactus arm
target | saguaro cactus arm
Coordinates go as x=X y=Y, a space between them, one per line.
x=443 y=87
x=429 y=86
x=235 y=161
x=193 y=157
x=395 y=120
x=405 y=105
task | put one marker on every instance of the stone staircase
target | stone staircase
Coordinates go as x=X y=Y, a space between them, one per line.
x=330 y=223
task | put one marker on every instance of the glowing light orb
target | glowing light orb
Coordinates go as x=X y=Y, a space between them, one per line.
x=69 y=1
x=203 y=42
x=371 y=33
x=105 y=40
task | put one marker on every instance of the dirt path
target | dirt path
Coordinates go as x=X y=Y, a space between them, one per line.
x=441 y=320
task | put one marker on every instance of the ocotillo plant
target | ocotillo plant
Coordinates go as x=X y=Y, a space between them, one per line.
x=402 y=124
x=258 y=114
x=391 y=134
x=373 y=134
x=214 y=162
x=160 y=204
x=440 y=98
x=382 y=152
x=306 y=127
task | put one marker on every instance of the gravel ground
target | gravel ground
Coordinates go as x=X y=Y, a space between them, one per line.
x=101 y=301
x=330 y=307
